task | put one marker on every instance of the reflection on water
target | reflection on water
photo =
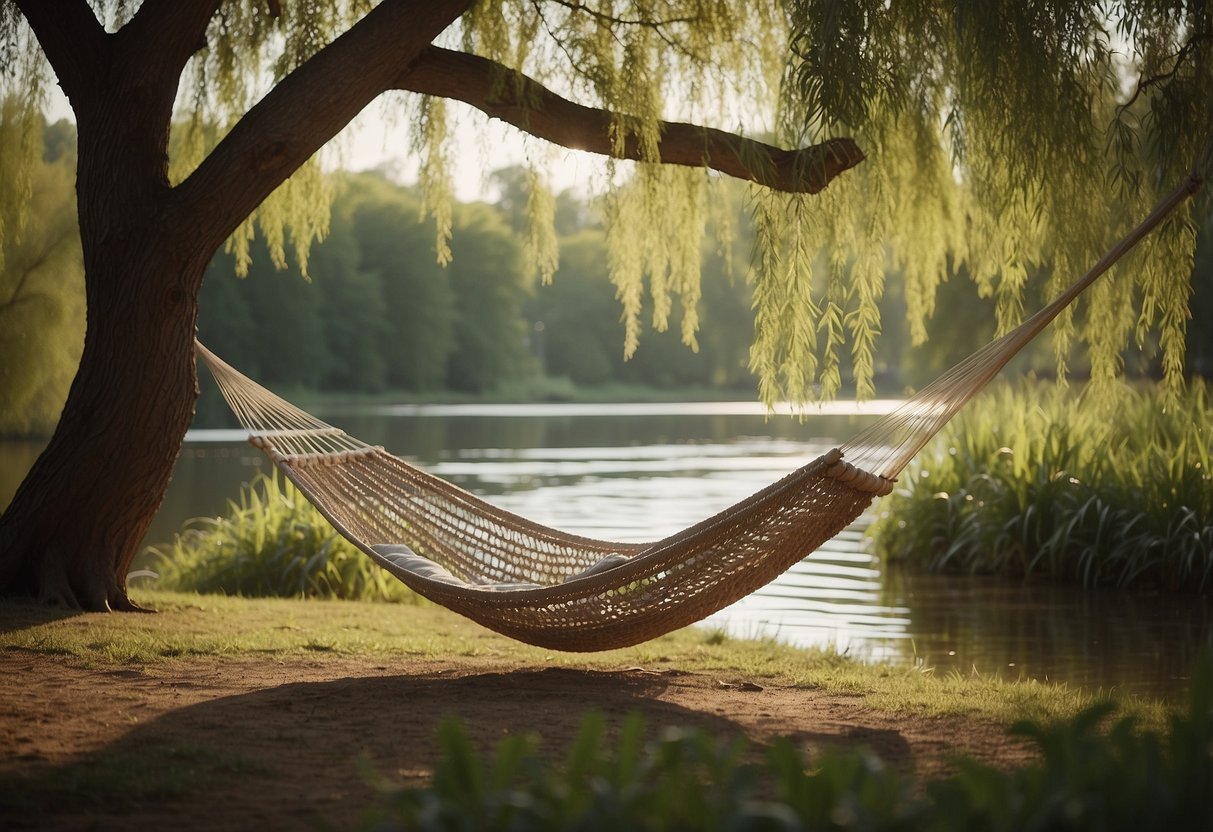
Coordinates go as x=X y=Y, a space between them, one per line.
x=1106 y=639
x=642 y=472
x=833 y=598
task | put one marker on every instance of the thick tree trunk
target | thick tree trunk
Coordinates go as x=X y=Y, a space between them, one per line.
x=78 y=518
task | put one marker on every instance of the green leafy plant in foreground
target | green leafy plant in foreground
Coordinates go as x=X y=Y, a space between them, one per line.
x=272 y=542
x=1085 y=778
x=1032 y=480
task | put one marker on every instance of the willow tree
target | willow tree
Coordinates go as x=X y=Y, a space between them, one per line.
x=256 y=88
x=986 y=127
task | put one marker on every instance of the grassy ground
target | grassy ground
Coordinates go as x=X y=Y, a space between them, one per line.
x=216 y=626
x=224 y=712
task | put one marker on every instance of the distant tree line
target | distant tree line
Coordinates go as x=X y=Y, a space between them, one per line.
x=377 y=313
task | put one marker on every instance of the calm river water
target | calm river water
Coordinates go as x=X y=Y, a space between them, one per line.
x=641 y=472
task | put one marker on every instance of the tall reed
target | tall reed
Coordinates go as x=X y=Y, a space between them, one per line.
x=1036 y=480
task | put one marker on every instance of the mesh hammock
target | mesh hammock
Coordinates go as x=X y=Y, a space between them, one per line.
x=567 y=592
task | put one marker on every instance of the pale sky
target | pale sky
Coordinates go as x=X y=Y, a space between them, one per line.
x=372 y=141
x=483 y=145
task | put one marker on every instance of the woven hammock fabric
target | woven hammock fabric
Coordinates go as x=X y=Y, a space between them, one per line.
x=655 y=588
x=562 y=591
x=533 y=583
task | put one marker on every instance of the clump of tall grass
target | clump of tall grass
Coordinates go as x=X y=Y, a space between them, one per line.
x=1035 y=480
x=1086 y=777
x=272 y=542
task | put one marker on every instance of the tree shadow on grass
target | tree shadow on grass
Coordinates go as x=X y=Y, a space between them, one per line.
x=25 y=613
x=298 y=754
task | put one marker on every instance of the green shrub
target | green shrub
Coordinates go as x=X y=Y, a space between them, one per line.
x=273 y=542
x=1085 y=778
x=1036 y=481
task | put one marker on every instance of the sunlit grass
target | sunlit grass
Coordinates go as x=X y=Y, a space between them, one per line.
x=1037 y=481
x=189 y=627
x=192 y=629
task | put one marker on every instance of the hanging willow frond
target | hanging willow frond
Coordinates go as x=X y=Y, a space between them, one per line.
x=431 y=141
x=542 y=247
x=1007 y=141
x=1015 y=141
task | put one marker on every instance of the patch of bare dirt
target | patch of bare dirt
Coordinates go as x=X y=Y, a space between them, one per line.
x=300 y=728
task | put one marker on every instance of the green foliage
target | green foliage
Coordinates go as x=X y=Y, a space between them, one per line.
x=542 y=248
x=1012 y=141
x=489 y=285
x=1036 y=481
x=582 y=339
x=284 y=317
x=1199 y=360
x=577 y=331
x=379 y=314
x=694 y=59
x=638 y=62
x=1086 y=778
x=417 y=330
x=273 y=542
x=354 y=317
x=654 y=227
x=434 y=179
x=22 y=92
x=683 y=780
x=1090 y=778
x=41 y=276
x=1016 y=141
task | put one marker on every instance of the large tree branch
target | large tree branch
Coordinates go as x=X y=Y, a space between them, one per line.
x=135 y=104
x=306 y=109
x=72 y=39
x=531 y=107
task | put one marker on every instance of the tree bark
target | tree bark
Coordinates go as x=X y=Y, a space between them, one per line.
x=76 y=522
x=518 y=100
x=78 y=518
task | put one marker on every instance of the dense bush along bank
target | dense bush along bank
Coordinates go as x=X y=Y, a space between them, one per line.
x=1037 y=481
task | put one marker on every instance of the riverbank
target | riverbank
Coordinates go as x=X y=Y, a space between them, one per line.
x=213 y=412
x=227 y=712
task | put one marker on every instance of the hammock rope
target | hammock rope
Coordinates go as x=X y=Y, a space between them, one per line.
x=563 y=591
